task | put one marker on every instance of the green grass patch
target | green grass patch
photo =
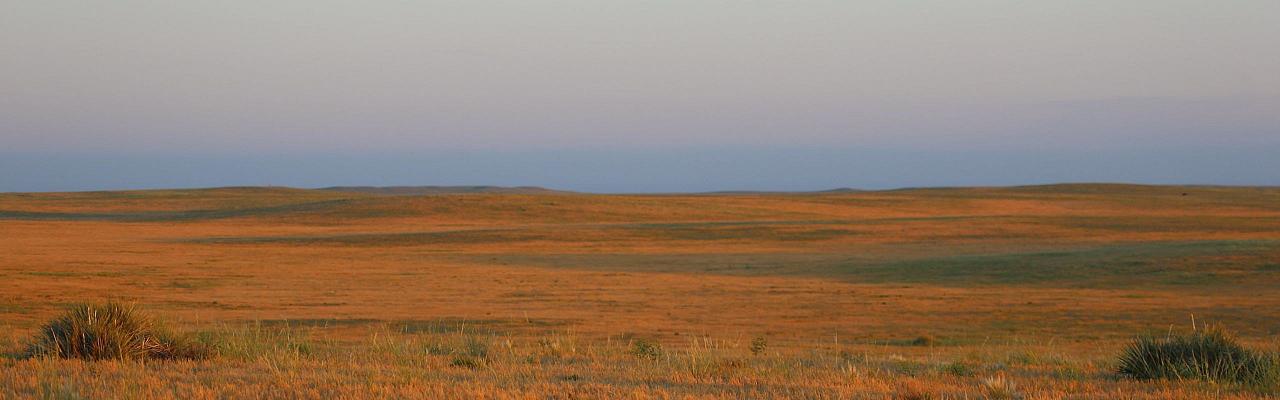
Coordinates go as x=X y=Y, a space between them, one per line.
x=1195 y=263
x=1168 y=263
x=14 y=308
x=258 y=340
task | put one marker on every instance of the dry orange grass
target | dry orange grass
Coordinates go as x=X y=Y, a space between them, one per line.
x=1041 y=285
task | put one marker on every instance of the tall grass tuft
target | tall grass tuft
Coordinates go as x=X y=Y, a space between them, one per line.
x=111 y=331
x=1210 y=354
x=759 y=345
x=1000 y=387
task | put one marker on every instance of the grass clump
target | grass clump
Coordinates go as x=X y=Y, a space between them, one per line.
x=1210 y=354
x=468 y=362
x=1000 y=387
x=957 y=369
x=759 y=345
x=645 y=349
x=112 y=331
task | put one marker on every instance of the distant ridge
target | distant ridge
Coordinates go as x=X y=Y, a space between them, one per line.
x=842 y=190
x=836 y=190
x=425 y=190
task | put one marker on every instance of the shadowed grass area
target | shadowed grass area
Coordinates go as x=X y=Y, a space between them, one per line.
x=1168 y=263
x=1211 y=262
x=386 y=239
x=1148 y=224
x=439 y=325
x=700 y=231
x=1130 y=194
x=174 y=216
x=976 y=227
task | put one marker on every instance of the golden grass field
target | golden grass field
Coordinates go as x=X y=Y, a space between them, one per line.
x=1024 y=292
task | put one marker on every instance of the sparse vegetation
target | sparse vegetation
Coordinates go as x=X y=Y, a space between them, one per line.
x=254 y=340
x=702 y=369
x=112 y=331
x=1210 y=354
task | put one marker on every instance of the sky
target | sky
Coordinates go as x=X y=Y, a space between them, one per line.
x=638 y=95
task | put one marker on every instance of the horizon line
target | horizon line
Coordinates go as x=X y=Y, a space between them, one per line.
x=536 y=189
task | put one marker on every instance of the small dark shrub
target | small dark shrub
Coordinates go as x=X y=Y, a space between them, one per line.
x=111 y=331
x=758 y=345
x=924 y=341
x=646 y=349
x=1208 y=354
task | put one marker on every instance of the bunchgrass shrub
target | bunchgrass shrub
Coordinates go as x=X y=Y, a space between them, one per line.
x=646 y=349
x=111 y=331
x=1210 y=354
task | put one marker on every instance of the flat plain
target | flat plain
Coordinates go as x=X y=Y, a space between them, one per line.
x=1018 y=292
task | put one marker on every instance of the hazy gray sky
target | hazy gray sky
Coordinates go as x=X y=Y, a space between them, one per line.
x=637 y=95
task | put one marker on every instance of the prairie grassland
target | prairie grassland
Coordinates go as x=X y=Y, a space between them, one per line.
x=293 y=363
x=1026 y=292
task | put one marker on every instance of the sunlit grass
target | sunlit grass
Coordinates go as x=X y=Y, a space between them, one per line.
x=254 y=360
